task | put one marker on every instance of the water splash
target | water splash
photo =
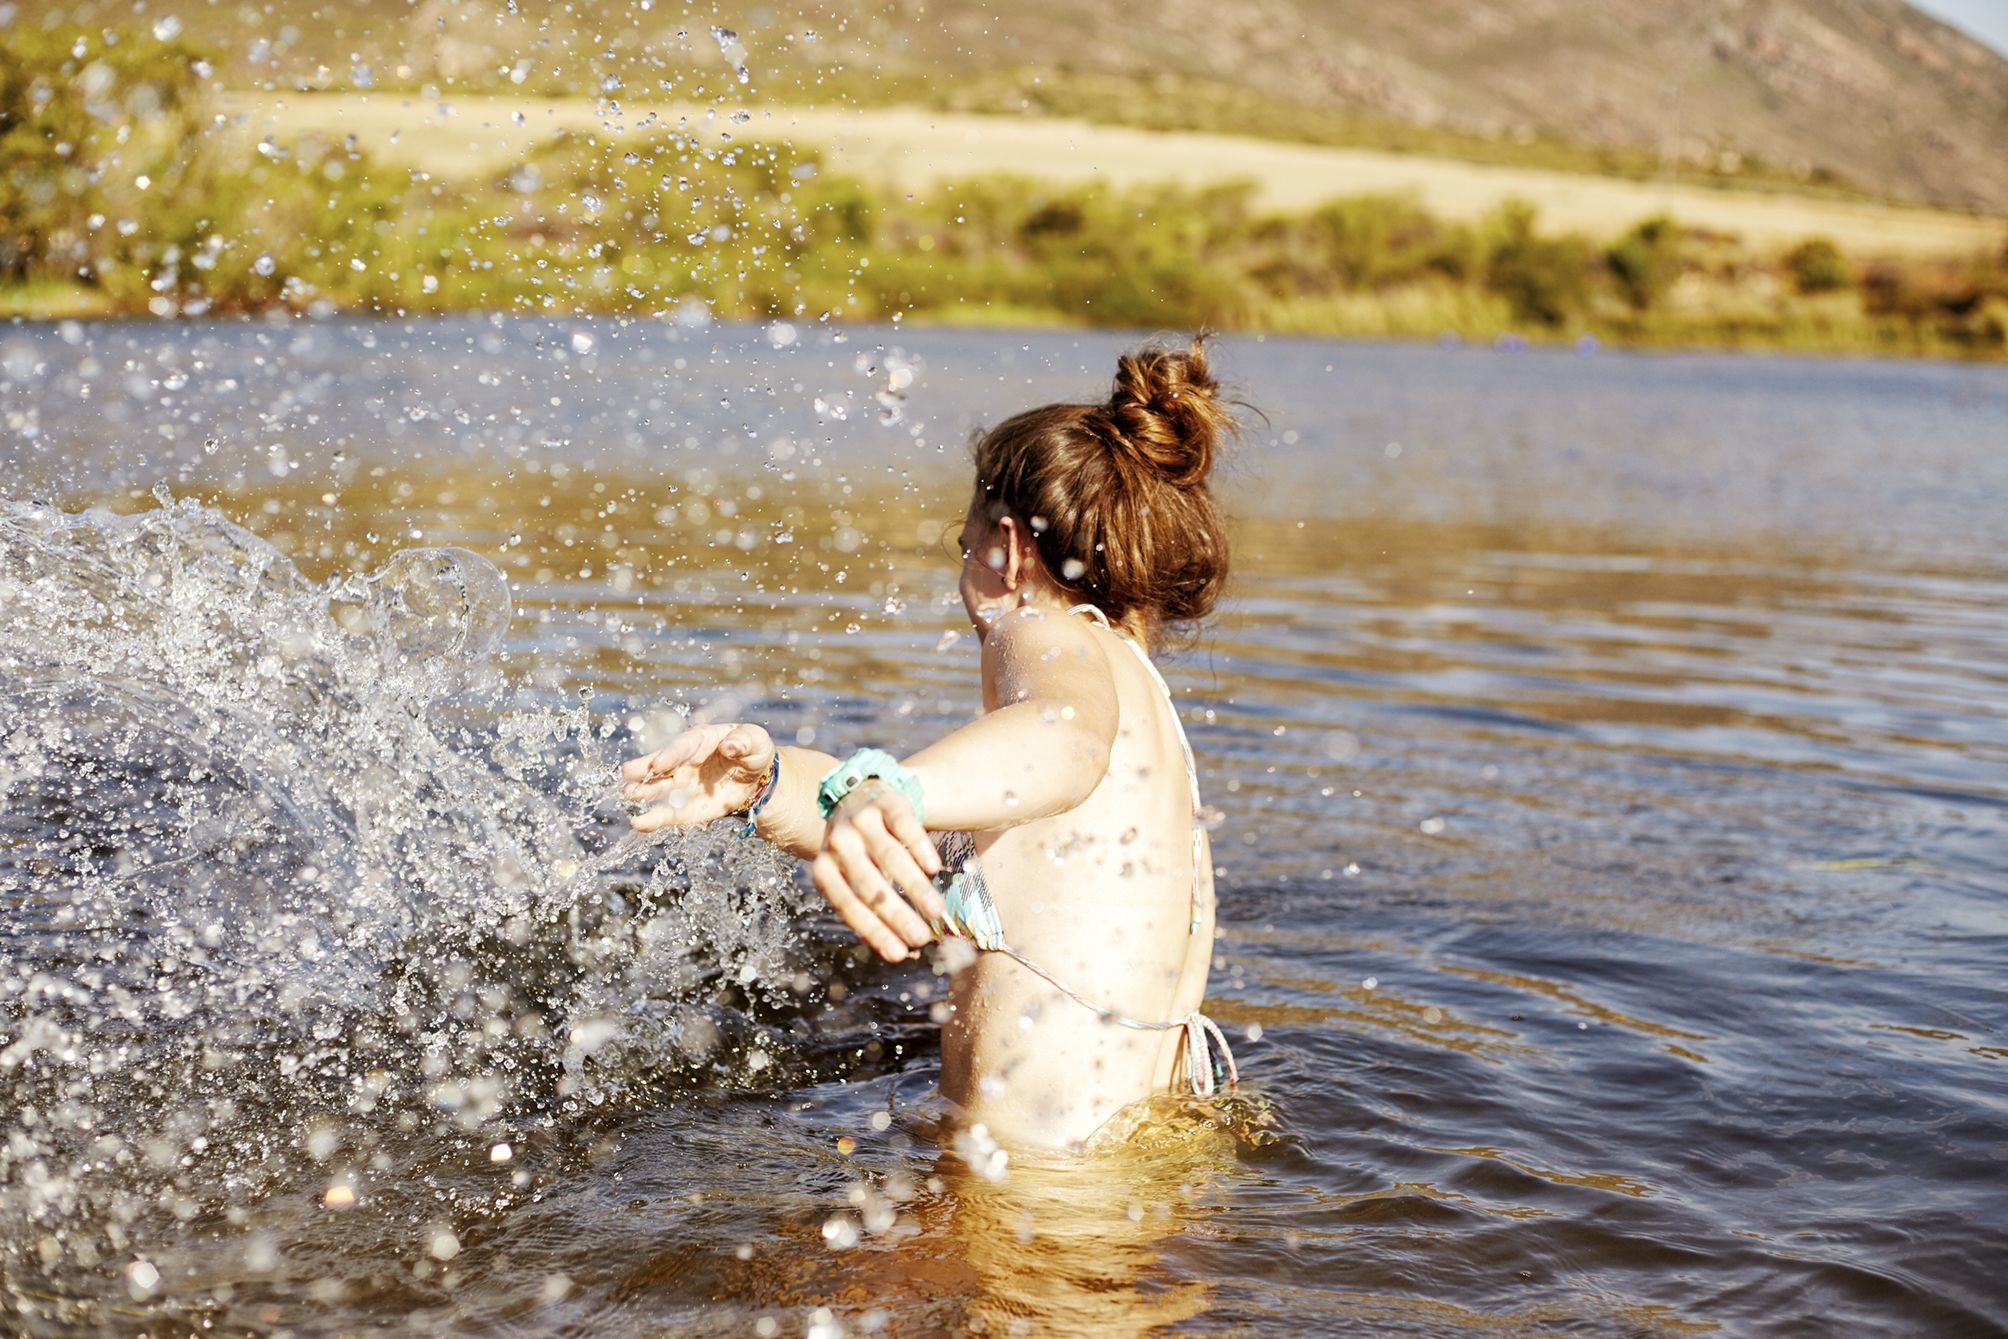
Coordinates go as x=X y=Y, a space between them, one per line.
x=290 y=870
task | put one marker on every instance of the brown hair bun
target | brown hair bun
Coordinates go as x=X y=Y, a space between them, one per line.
x=1166 y=413
x=1116 y=494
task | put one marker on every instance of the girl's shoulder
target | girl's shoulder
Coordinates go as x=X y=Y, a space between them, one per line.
x=1044 y=635
x=1048 y=654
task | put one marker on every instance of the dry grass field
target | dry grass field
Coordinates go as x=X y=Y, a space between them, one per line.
x=915 y=148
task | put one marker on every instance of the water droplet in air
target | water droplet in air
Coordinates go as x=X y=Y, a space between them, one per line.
x=141 y=1279
x=261 y=1254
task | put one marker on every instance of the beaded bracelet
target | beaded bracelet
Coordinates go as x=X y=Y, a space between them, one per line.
x=768 y=785
x=860 y=767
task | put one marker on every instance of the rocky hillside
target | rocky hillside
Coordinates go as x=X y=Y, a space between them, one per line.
x=1871 y=92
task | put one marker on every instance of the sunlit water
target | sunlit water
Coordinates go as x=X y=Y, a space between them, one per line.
x=1610 y=754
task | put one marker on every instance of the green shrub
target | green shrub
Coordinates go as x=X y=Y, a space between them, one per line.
x=1646 y=261
x=1546 y=279
x=1817 y=266
x=1377 y=241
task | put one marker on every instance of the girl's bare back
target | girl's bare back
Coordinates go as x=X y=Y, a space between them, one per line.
x=1104 y=897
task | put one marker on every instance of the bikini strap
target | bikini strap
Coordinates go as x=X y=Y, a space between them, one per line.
x=1209 y=1061
x=1143 y=657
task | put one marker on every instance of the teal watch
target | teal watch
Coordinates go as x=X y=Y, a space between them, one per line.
x=860 y=767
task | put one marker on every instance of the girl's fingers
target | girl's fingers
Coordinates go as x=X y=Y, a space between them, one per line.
x=896 y=863
x=652 y=764
x=864 y=924
x=645 y=792
x=869 y=882
x=904 y=825
x=686 y=777
x=662 y=760
x=652 y=820
x=692 y=746
x=686 y=805
x=749 y=746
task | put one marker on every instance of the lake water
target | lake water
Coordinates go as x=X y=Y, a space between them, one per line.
x=1612 y=763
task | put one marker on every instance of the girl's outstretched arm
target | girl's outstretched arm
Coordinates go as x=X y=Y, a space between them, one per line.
x=1041 y=749
x=1043 y=745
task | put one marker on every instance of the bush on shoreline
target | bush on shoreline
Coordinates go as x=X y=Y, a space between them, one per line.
x=121 y=193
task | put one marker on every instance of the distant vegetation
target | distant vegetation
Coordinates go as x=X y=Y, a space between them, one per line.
x=119 y=194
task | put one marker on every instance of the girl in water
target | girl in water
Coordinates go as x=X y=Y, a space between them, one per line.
x=1072 y=878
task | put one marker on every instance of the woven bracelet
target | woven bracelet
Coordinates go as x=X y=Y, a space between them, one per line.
x=768 y=785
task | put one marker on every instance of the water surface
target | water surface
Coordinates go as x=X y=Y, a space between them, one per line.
x=1610 y=757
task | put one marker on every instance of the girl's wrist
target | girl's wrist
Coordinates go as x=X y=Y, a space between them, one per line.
x=762 y=796
x=856 y=771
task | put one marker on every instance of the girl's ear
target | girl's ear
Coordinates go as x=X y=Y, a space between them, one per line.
x=1010 y=540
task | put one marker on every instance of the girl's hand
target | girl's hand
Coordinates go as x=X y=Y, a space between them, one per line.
x=876 y=867
x=704 y=774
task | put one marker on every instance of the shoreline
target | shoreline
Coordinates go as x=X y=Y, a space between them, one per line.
x=1579 y=343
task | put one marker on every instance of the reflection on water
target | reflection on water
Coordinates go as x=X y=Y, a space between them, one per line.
x=1610 y=754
